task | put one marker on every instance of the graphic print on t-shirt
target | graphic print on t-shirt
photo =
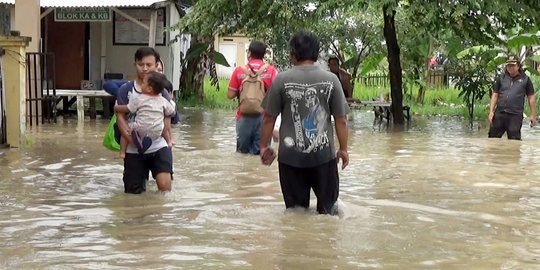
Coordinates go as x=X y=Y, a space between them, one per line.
x=309 y=115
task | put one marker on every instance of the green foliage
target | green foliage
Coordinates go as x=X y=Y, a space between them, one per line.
x=535 y=79
x=199 y=50
x=519 y=44
x=438 y=101
x=372 y=63
x=28 y=141
x=214 y=98
x=474 y=79
x=353 y=29
x=479 y=64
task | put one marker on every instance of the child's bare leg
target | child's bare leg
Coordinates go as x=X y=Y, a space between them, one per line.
x=123 y=146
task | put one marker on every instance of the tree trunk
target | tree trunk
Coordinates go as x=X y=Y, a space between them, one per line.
x=421 y=88
x=425 y=64
x=394 y=65
x=191 y=83
x=355 y=70
x=471 y=109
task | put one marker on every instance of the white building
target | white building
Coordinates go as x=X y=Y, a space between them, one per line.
x=92 y=37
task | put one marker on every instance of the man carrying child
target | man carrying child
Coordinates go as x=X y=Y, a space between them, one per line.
x=158 y=157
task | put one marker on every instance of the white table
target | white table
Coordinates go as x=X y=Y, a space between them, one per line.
x=80 y=95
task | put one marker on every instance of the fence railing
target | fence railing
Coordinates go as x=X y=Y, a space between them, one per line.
x=435 y=79
x=40 y=79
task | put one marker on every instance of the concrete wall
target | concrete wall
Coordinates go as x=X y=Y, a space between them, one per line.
x=28 y=22
x=120 y=57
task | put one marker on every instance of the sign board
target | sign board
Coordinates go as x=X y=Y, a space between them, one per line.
x=82 y=14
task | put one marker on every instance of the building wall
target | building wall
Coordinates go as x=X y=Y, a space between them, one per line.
x=119 y=58
x=5 y=18
x=241 y=43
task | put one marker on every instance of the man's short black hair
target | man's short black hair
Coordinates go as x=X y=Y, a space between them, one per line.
x=143 y=52
x=257 y=49
x=305 y=45
x=157 y=81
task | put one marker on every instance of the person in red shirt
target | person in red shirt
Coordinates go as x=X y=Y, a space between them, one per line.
x=248 y=127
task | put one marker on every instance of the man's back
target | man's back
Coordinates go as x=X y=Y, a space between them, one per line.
x=306 y=97
x=345 y=79
x=239 y=75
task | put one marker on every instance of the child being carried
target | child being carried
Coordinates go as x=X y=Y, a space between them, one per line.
x=150 y=109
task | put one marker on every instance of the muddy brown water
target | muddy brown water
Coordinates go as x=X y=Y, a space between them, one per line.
x=436 y=196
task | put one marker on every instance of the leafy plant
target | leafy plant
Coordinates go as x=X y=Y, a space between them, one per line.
x=478 y=65
x=474 y=79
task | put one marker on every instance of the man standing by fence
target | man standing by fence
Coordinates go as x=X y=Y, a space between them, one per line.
x=506 y=105
x=343 y=76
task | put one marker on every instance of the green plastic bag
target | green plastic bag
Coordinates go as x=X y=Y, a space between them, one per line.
x=109 y=141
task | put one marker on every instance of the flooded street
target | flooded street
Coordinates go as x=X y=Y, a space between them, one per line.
x=437 y=196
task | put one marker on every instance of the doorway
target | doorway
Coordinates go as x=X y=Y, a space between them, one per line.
x=68 y=42
x=229 y=51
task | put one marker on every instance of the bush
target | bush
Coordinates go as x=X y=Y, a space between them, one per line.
x=438 y=100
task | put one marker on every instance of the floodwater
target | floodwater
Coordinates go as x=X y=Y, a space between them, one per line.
x=436 y=196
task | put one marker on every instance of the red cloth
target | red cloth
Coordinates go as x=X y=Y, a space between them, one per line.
x=432 y=61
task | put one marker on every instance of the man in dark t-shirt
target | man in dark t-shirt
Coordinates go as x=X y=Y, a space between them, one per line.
x=506 y=105
x=306 y=97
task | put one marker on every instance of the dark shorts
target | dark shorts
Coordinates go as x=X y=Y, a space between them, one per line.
x=296 y=184
x=137 y=167
x=506 y=122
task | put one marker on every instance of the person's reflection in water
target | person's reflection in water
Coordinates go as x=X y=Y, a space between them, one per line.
x=138 y=225
x=500 y=154
x=308 y=241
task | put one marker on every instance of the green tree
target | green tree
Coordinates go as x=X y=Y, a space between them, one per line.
x=477 y=21
x=478 y=65
x=274 y=21
x=474 y=79
x=351 y=36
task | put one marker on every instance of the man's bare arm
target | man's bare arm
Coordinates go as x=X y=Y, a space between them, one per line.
x=532 y=106
x=123 y=125
x=232 y=94
x=492 y=104
x=342 y=132
x=266 y=130
x=121 y=108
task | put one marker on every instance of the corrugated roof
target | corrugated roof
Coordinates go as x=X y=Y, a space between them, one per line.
x=92 y=3
x=97 y=3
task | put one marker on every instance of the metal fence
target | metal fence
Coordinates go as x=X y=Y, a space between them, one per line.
x=41 y=88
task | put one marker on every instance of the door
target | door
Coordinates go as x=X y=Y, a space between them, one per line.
x=229 y=51
x=68 y=42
